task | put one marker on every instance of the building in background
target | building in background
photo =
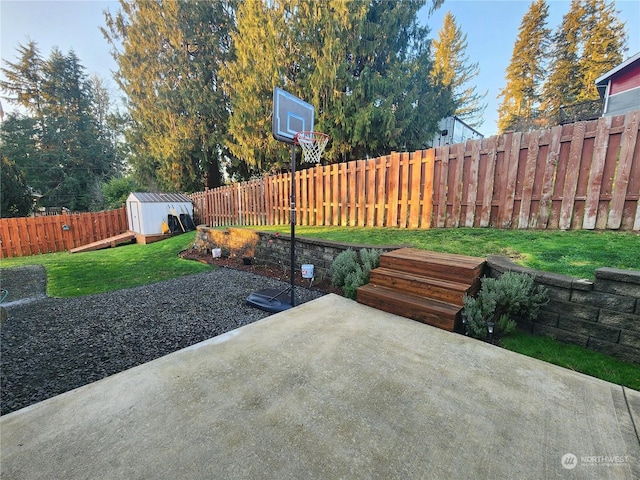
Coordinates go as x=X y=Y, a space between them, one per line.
x=620 y=87
x=453 y=130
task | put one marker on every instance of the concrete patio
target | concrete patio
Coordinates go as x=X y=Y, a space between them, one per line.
x=331 y=389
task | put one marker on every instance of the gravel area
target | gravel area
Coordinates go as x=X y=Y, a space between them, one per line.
x=51 y=345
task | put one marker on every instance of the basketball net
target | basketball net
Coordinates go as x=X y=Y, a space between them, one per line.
x=312 y=144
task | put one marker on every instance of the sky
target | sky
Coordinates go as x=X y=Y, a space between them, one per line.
x=491 y=28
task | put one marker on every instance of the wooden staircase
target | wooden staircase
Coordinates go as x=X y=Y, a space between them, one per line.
x=422 y=285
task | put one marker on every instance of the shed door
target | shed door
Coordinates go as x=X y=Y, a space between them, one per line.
x=136 y=225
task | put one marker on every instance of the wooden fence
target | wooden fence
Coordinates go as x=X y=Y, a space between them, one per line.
x=576 y=176
x=56 y=233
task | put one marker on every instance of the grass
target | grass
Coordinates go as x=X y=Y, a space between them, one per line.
x=70 y=275
x=576 y=253
x=575 y=358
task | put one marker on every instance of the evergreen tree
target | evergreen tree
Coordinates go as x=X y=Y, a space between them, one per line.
x=250 y=79
x=525 y=74
x=452 y=69
x=172 y=53
x=588 y=43
x=15 y=199
x=57 y=142
x=564 y=84
x=603 y=43
x=364 y=66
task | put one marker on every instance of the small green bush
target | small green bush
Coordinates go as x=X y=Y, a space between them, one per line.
x=350 y=270
x=344 y=263
x=500 y=300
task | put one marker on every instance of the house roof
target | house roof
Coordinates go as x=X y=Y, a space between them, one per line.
x=157 y=197
x=602 y=80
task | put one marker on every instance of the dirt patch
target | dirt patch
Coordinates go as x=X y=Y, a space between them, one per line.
x=264 y=269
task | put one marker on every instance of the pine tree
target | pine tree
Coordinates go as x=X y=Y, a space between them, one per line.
x=250 y=79
x=172 y=53
x=588 y=43
x=564 y=84
x=24 y=78
x=603 y=43
x=57 y=141
x=452 y=69
x=15 y=200
x=364 y=66
x=525 y=73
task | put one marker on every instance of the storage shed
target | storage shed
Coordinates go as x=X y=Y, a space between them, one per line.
x=147 y=211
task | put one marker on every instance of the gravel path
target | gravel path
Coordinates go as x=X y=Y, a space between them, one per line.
x=51 y=345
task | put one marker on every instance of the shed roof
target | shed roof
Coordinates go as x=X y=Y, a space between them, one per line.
x=157 y=197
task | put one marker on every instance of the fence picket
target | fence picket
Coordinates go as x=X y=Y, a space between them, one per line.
x=391 y=191
x=335 y=194
x=414 y=183
x=351 y=193
x=571 y=179
x=457 y=188
x=488 y=181
x=512 y=161
x=472 y=182
x=381 y=182
x=441 y=208
x=623 y=170
x=596 y=173
x=551 y=165
x=427 y=173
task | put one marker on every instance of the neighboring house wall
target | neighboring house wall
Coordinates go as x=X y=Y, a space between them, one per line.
x=624 y=92
x=452 y=131
x=620 y=87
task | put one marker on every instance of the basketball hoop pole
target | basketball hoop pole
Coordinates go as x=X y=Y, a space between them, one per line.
x=293 y=224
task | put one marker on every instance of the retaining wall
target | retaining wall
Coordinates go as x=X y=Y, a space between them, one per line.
x=274 y=248
x=602 y=315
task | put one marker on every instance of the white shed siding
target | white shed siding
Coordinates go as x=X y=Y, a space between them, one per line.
x=147 y=211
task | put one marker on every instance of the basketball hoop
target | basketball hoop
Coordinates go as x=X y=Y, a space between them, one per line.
x=312 y=144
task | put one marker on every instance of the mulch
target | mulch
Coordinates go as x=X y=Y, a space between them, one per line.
x=276 y=272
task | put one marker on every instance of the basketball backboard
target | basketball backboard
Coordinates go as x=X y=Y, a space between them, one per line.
x=290 y=116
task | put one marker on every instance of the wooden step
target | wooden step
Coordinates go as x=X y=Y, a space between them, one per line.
x=455 y=268
x=434 y=288
x=425 y=310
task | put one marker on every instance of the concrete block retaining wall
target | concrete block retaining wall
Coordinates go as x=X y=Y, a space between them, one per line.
x=602 y=315
x=272 y=248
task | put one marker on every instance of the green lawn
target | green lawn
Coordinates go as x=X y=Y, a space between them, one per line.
x=571 y=253
x=575 y=358
x=126 y=266
x=575 y=253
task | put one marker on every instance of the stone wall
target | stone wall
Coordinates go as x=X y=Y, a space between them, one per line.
x=603 y=315
x=274 y=248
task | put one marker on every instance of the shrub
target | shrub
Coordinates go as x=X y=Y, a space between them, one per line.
x=500 y=300
x=344 y=263
x=350 y=270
